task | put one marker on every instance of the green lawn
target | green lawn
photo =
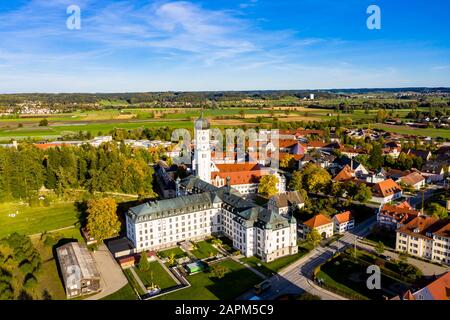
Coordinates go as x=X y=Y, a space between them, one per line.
x=160 y=276
x=132 y=281
x=348 y=276
x=268 y=268
x=176 y=251
x=31 y=220
x=204 y=250
x=204 y=286
x=126 y=293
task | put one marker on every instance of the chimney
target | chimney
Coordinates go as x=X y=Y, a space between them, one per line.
x=228 y=184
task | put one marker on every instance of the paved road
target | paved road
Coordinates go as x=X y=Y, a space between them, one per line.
x=112 y=277
x=295 y=279
x=416 y=200
x=428 y=269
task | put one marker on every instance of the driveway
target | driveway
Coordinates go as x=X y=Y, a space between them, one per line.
x=112 y=278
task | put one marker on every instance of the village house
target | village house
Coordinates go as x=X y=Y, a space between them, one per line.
x=392 y=217
x=435 y=171
x=343 y=222
x=323 y=224
x=439 y=289
x=286 y=203
x=414 y=180
x=386 y=191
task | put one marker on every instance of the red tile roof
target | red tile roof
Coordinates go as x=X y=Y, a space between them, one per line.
x=387 y=188
x=345 y=174
x=239 y=173
x=344 y=217
x=402 y=213
x=412 y=178
x=317 y=221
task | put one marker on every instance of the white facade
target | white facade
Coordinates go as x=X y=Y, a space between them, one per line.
x=202 y=151
x=343 y=226
x=433 y=247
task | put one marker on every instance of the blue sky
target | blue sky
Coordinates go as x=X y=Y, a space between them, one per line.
x=222 y=45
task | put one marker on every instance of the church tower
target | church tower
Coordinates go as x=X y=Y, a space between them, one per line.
x=202 y=152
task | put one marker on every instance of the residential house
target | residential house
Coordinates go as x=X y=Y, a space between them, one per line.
x=286 y=203
x=392 y=217
x=343 y=222
x=386 y=191
x=425 y=155
x=414 y=180
x=346 y=174
x=425 y=237
x=323 y=224
x=435 y=171
x=438 y=290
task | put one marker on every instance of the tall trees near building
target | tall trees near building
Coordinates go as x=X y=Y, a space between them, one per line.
x=102 y=220
x=268 y=185
x=106 y=168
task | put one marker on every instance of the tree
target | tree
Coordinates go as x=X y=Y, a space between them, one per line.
x=143 y=262
x=379 y=248
x=171 y=258
x=219 y=271
x=381 y=115
x=376 y=157
x=296 y=181
x=314 y=237
x=287 y=161
x=363 y=193
x=103 y=222
x=43 y=123
x=438 y=211
x=315 y=178
x=268 y=185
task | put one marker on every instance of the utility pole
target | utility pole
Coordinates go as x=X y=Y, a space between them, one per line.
x=423 y=199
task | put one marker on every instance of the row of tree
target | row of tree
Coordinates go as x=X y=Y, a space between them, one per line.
x=110 y=167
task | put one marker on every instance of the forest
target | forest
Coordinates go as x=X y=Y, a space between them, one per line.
x=110 y=167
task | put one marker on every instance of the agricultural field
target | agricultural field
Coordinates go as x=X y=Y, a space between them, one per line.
x=428 y=132
x=100 y=122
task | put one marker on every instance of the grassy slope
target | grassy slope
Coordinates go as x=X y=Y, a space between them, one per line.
x=31 y=220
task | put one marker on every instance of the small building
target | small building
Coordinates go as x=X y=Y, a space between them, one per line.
x=414 y=180
x=78 y=269
x=434 y=171
x=286 y=202
x=386 y=191
x=343 y=222
x=323 y=224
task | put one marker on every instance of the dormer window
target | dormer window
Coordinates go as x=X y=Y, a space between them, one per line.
x=416 y=230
